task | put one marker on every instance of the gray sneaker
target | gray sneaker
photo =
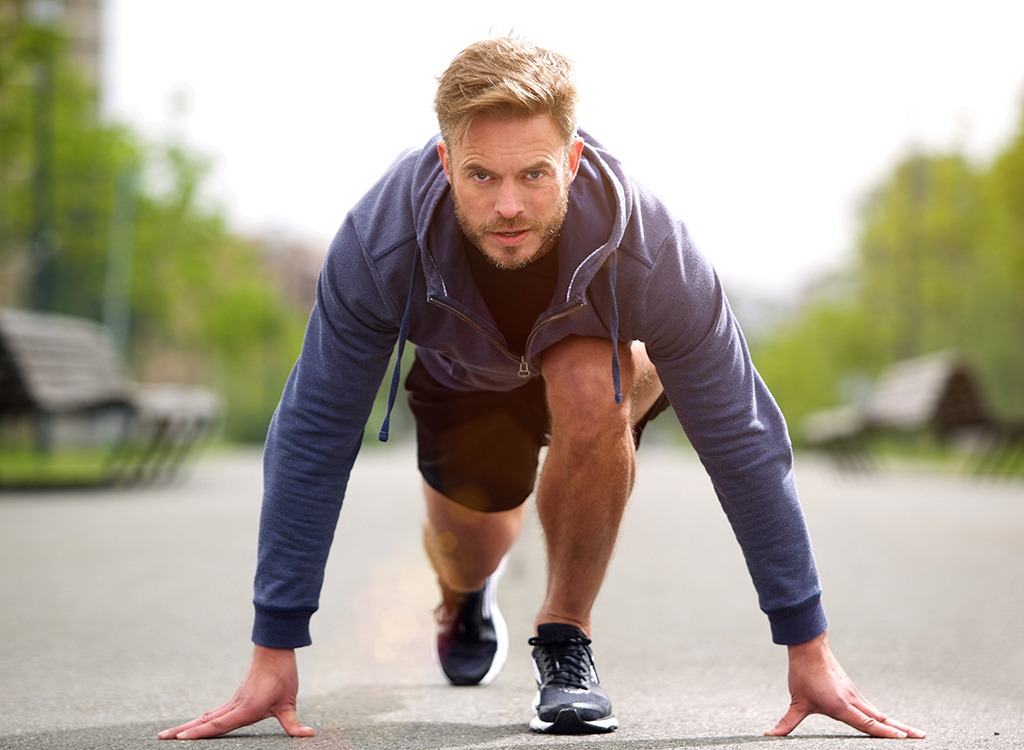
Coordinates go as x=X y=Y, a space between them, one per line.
x=569 y=695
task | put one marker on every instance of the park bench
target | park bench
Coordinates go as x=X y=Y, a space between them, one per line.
x=62 y=381
x=938 y=395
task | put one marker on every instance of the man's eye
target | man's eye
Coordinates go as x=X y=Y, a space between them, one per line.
x=534 y=175
x=480 y=177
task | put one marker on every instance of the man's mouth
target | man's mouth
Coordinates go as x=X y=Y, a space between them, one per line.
x=517 y=234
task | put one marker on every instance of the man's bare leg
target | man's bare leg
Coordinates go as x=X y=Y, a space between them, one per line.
x=585 y=482
x=589 y=469
x=465 y=546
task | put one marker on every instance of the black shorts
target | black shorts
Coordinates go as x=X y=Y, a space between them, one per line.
x=482 y=449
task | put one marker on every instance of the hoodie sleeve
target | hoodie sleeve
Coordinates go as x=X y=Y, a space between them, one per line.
x=737 y=429
x=315 y=435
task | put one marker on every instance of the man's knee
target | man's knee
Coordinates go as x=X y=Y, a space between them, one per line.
x=577 y=374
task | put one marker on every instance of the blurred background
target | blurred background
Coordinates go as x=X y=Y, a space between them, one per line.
x=175 y=170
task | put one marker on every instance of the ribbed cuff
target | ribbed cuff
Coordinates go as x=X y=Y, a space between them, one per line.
x=798 y=624
x=276 y=629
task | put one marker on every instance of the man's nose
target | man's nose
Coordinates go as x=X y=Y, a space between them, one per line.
x=509 y=202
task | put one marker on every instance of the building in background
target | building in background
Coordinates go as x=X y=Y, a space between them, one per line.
x=79 y=22
x=82 y=22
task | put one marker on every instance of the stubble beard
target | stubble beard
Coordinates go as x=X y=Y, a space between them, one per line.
x=513 y=258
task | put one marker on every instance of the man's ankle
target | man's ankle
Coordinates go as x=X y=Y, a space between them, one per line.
x=546 y=618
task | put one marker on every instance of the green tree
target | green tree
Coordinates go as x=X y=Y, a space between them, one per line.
x=822 y=355
x=996 y=301
x=131 y=238
x=917 y=248
x=939 y=265
x=205 y=297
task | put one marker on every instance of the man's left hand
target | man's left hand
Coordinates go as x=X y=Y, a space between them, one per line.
x=818 y=685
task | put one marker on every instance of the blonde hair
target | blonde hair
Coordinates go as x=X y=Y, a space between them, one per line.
x=507 y=77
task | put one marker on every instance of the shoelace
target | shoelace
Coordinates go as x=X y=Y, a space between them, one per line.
x=566 y=662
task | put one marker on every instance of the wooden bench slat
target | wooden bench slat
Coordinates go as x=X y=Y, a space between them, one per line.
x=937 y=392
x=55 y=365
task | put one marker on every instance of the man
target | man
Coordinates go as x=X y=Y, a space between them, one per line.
x=553 y=302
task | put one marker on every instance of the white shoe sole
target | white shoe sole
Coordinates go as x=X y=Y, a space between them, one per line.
x=500 y=626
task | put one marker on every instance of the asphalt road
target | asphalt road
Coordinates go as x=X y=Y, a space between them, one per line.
x=125 y=612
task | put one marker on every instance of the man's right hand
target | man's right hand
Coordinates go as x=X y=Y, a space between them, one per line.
x=270 y=688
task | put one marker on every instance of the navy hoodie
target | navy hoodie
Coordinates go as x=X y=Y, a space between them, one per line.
x=395 y=272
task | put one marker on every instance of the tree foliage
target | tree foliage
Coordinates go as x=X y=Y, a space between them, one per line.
x=96 y=222
x=939 y=265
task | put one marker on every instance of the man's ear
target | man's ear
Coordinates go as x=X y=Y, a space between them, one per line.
x=442 y=152
x=575 y=152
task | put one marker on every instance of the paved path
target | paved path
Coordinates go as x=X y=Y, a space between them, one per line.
x=125 y=612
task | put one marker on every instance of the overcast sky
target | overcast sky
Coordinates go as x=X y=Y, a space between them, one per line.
x=761 y=124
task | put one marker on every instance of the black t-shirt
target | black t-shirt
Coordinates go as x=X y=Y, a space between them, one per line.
x=515 y=298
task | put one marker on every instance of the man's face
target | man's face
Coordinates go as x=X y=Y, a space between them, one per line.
x=510 y=182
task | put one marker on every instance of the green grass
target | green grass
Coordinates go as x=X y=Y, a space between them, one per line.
x=921 y=452
x=25 y=468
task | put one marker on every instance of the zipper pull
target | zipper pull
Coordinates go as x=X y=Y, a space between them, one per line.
x=524 y=367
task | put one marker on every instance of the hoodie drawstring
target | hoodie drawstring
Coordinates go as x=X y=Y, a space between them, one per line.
x=396 y=374
x=616 y=369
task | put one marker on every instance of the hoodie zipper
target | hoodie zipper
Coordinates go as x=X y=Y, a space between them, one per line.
x=524 y=365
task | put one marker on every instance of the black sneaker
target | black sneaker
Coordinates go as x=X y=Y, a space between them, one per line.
x=472 y=641
x=569 y=695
